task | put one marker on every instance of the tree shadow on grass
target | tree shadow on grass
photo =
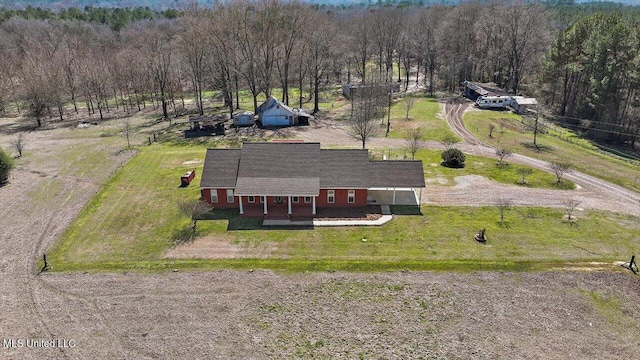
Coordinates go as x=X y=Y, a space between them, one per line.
x=183 y=236
x=539 y=148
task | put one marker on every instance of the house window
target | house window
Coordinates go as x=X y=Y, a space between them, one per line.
x=230 y=196
x=331 y=196
x=351 y=197
x=252 y=199
x=307 y=199
x=214 y=195
x=295 y=200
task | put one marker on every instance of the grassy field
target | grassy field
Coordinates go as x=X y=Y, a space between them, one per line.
x=583 y=156
x=424 y=114
x=134 y=220
x=489 y=168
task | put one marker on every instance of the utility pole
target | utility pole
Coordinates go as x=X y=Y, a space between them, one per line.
x=535 y=128
x=389 y=112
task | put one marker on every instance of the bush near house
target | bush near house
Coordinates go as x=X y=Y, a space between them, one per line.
x=453 y=158
x=6 y=164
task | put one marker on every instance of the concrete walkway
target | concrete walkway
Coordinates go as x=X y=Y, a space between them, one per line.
x=386 y=217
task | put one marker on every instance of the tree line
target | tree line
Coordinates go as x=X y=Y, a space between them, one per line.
x=258 y=46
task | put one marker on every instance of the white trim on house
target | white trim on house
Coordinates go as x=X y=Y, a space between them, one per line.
x=351 y=197
x=214 y=199
x=230 y=197
x=331 y=196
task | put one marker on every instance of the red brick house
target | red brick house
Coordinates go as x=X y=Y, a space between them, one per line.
x=295 y=179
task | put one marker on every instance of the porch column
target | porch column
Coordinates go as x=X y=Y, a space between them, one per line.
x=313 y=201
x=289 y=205
x=420 y=197
x=393 y=200
x=240 y=201
x=264 y=198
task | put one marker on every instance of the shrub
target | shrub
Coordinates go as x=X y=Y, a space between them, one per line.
x=453 y=158
x=6 y=163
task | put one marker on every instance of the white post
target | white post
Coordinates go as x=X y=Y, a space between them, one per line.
x=313 y=200
x=420 y=197
x=265 y=204
x=393 y=200
x=289 y=205
x=240 y=200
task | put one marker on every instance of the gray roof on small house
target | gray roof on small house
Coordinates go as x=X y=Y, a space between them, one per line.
x=220 y=168
x=396 y=173
x=302 y=169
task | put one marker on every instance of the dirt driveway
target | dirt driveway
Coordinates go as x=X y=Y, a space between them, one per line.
x=229 y=314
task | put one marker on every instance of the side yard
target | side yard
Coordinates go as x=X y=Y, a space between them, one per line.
x=426 y=113
x=134 y=221
x=510 y=132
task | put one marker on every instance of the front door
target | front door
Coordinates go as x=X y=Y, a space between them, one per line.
x=279 y=200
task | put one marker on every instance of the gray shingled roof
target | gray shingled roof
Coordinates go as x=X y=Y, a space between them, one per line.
x=396 y=173
x=302 y=169
x=344 y=168
x=279 y=168
x=220 y=168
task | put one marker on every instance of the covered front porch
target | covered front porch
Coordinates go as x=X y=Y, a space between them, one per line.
x=277 y=207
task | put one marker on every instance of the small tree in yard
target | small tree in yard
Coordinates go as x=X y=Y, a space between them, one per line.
x=524 y=172
x=448 y=140
x=503 y=204
x=126 y=124
x=194 y=209
x=502 y=153
x=453 y=158
x=492 y=127
x=570 y=206
x=414 y=141
x=560 y=169
x=409 y=101
x=6 y=164
x=18 y=144
x=367 y=106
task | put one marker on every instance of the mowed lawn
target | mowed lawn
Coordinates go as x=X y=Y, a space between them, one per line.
x=424 y=114
x=583 y=156
x=134 y=220
x=507 y=173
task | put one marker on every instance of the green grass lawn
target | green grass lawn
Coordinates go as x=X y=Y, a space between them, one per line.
x=489 y=168
x=134 y=219
x=583 y=156
x=423 y=114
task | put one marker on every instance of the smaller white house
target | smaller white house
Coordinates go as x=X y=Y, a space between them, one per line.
x=244 y=119
x=274 y=113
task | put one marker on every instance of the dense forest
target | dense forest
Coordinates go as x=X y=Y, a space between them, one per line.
x=580 y=60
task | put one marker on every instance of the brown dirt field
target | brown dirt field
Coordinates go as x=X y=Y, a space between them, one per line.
x=230 y=314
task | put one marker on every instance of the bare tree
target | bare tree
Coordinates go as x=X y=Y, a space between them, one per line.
x=194 y=210
x=409 y=101
x=560 y=169
x=503 y=204
x=448 y=141
x=368 y=105
x=19 y=143
x=414 y=141
x=569 y=207
x=502 y=154
x=524 y=172
x=126 y=128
